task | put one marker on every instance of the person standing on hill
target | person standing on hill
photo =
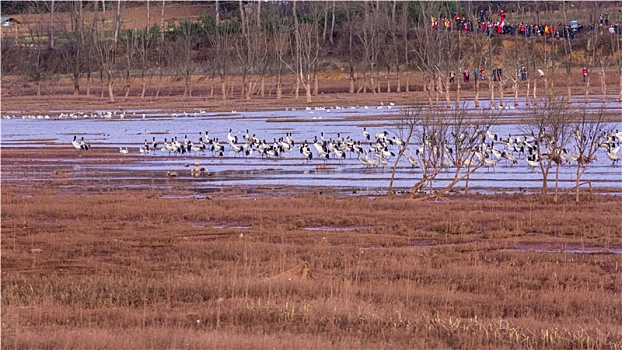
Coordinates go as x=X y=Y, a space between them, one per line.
x=584 y=73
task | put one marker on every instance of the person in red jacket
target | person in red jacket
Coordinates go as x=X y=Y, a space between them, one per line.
x=584 y=73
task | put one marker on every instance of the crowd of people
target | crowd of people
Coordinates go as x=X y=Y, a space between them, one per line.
x=499 y=25
x=497 y=74
x=486 y=24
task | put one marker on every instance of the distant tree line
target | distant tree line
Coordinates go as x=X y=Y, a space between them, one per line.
x=378 y=44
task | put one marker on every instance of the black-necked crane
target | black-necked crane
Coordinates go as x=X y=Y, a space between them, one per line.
x=531 y=161
x=505 y=155
x=306 y=151
x=217 y=147
x=80 y=145
x=232 y=138
x=366 y=133
x=76 y=144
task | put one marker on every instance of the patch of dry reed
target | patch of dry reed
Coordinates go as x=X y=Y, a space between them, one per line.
x=137 y=269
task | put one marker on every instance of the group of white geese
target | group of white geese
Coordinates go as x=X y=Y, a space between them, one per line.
x=374 y=150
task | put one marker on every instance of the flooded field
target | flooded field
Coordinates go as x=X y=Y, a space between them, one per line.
x=135 y=131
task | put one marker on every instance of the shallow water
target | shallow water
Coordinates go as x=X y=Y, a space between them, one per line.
x=104 y=129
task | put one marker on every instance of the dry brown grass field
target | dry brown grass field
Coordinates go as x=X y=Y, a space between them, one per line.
x=239 y=268
x=170 y=269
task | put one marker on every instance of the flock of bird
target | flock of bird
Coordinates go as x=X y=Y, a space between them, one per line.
x=481 y=148
x=122 y=114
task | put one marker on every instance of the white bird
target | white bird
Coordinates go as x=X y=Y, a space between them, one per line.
x=123 y=150
x=614 y=157
x=371 y=161
x=413 y=161
x=507 y=156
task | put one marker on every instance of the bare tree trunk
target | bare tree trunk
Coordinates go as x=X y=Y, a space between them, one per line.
x=527 y=94
x=308 y=92
x=162 y=20
x=516 y=93
x=476 y=92
x=297 y=88
x=407 y=87
x=458 y=90
x=38 y=88
x=351 y=89
x=148 y=17
x=52 y=24
x=127 y=90
x=556 y=196
x=491 y=87
x=223 y=89
x=363 y=85
x=325 y=30
x=426 y=89
x=447 y=97
x=262 y=86
x=117 y=27
x=603 y=84
x=619 y=99
x=372 y=83
x=110 y=91
x=217 y=7
x=398 y=87
x=587 y=89
x=316 y=85
x=437 y=90
x=500 y=93
x=144 y=90
x=535 y=85
x=279 y=88
x=332 y=26
x=88 y=84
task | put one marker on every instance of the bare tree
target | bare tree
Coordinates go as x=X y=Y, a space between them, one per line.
x=146 y=42
x=430 y=142
x=350 y=25
x=465 y=147
x=307 y=48
x=130 y=45
x=370 y=35
x=515 y=60
x=8 y=62
x=405 y=127
x=588 y=136
x=251 y=49
x=186 y=36
x=106 y=51
x=550 y=125
x=222 y=40
x=281 y=42
x=76 y=50
x=33 y=62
